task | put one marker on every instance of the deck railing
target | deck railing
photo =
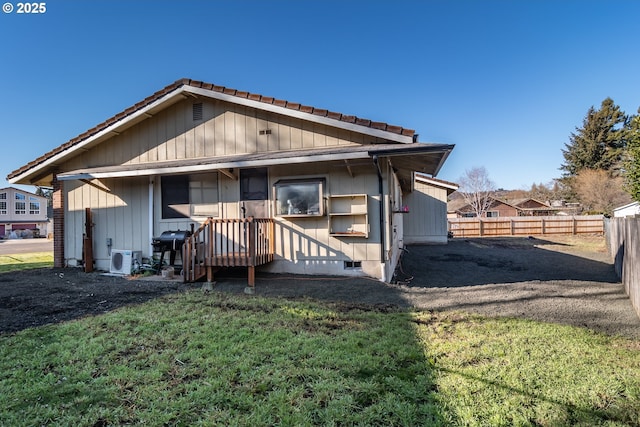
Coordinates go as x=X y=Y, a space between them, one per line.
x=242 y=242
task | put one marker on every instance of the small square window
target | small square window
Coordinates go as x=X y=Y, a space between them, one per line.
x=299 y=197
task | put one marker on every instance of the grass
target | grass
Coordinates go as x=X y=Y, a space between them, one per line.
x=217 y=359
x=25 y=261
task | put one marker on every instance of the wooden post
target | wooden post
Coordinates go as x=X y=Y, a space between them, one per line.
x=252 y=276
x=187 y=268
x=251 y=281
x=87 y=241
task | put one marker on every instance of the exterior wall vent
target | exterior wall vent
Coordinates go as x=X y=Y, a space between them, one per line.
x=349 y=265
x=197 y=111
x=265 y=132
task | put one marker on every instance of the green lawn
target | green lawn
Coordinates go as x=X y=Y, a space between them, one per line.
x=25 y=261
x=194 y=359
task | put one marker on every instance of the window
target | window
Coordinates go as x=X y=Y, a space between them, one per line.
x=493 y=214
x=184 y=196
x=21 y=208
x=3 y=203
x=34 y=208
x=299 y=197
x=468 y=214
x=254 y=184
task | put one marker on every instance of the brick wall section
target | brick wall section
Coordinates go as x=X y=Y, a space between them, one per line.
x=58 y=222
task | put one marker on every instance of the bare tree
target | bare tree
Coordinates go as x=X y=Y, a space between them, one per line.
x=477 y=189
x=599 y=192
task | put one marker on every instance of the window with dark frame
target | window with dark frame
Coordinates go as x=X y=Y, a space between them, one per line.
x=299 y=197
x=184 y=196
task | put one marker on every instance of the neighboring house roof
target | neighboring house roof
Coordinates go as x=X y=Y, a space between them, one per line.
x=629 y=209
x=2 y=190
x=449 y=186
x=530 y=202
x=186 y=87
x=456 y=205
x=461 y=205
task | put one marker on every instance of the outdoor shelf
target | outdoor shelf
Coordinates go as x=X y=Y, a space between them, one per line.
x=349 y=215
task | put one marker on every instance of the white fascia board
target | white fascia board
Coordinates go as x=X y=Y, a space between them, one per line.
x=112 y=128
x=209 y=167
x=435 y=182
x=299 y=114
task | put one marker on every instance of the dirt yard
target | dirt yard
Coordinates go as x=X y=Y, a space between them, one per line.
x=564 y=280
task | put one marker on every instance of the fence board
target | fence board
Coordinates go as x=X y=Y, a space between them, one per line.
x=623 y=236
x=524 y=226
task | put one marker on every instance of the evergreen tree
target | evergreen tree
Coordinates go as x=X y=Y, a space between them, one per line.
x=632 y=159
x=599 y=143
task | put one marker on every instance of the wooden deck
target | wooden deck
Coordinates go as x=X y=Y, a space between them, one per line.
x=228 y=243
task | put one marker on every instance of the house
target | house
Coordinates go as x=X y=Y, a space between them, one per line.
x=428 y=205
x=265 y=183
x=459 y=208
x=630 y=210
x=22 y=214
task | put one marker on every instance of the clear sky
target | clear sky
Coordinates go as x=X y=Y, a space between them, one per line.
x=505 y=81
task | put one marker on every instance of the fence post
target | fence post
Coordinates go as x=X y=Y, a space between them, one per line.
x=480 y=228
x=575 y=225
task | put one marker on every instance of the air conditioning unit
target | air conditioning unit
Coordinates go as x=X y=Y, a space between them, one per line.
x=123 y=261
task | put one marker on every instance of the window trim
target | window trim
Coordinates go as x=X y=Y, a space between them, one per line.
x=319 y=181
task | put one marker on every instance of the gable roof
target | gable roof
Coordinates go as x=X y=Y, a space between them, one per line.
x=519 y=202
x=186 y=87
x=461 y=205
x=449 y=186
x=7 y=189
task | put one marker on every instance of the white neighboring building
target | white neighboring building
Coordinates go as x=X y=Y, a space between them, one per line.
x=427 y=220
x=22 y=213
x=632 y=209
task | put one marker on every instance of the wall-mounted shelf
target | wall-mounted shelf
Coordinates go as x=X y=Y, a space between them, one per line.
x=348 y=215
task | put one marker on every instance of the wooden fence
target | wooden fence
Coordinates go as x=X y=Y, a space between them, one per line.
x=526 y=225
x=623 y=237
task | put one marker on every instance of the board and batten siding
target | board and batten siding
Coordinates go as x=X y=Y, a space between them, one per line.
x=226 y=129
x=120 y=212
x=304 y=245
x=426 y=220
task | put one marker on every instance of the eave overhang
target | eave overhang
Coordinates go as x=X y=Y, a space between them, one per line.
x=427 y=158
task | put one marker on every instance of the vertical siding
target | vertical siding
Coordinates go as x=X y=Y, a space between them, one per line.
x=427 y=220
x=225 y=129
x=120 y=214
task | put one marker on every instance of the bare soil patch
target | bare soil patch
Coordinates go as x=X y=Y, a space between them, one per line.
x=565 y=280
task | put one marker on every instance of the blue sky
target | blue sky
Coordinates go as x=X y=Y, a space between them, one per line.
x=505 y=81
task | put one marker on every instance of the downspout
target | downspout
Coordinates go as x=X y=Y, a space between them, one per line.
x=380 y=191
x=150 y=218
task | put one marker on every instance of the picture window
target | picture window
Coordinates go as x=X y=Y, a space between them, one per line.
x=299 y=197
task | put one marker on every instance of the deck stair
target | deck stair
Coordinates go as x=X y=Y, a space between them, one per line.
x=218 y=243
